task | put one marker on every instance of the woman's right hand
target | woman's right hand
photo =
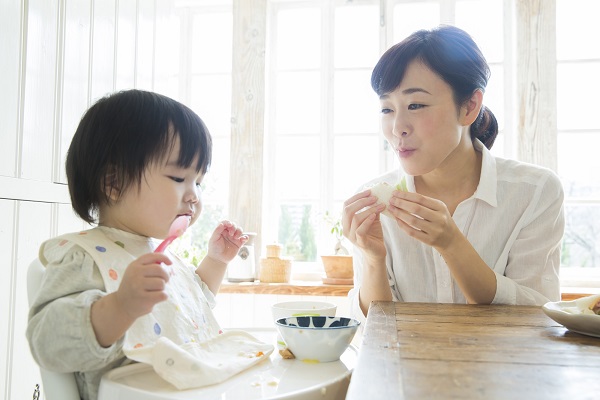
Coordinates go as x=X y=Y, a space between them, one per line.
x=361 y=224
x=143 y=284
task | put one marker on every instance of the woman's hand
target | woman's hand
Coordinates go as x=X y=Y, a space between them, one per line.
x=225 y=242
x=361 y=225
x=427 y=220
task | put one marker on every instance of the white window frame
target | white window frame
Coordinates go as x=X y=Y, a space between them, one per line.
x=588 y=277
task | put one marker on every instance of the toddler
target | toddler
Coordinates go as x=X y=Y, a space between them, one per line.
x=135 y=164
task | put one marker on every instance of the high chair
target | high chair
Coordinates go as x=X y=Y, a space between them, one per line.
x=55 y=385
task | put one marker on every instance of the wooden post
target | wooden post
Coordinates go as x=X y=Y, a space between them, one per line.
x=536 y=82
x=247 y=115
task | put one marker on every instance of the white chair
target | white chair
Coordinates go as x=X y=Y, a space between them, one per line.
x=55 y=385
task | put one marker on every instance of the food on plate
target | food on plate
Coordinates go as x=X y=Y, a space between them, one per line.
x=286 y=354
x=589 y=305
x=595 y=307
x=383 y=191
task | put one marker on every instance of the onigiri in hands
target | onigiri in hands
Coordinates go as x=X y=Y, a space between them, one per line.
x=383 y=191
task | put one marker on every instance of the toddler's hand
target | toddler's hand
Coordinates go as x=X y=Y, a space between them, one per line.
x=225 y=242
x=143 y=284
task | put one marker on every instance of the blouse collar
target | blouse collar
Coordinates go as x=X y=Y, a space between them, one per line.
x=488 y=180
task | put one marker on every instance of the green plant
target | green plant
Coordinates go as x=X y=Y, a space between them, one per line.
x=337 y=230
x=296 y=232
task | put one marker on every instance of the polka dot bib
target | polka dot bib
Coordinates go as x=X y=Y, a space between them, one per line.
x=180 y=338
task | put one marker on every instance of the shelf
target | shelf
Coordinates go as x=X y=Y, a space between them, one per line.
x=305 y=288
x=316 y=288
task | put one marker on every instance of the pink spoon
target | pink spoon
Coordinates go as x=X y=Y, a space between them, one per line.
x=177 y=229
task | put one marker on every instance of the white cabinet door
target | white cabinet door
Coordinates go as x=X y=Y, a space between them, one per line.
x=75 y=79
x=7 y=215
x=40 y=91
x=10 y=21
x=32 y=225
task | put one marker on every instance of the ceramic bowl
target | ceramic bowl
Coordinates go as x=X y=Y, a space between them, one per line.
x=317 y=339
x=302 y=308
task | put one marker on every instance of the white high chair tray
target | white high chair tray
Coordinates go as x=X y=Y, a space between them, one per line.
x=275 y=378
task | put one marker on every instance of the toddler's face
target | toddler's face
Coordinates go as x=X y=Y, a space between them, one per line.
x=165 y=192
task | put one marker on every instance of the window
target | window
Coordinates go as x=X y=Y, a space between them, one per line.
x=201 y=79
x=578 y=82
x=322 y=136
x=324 y=129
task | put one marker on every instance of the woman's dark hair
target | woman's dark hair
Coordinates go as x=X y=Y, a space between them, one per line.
x=120 y=135
x=452 y=54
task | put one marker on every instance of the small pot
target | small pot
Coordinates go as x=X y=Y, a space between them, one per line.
x=338 y=267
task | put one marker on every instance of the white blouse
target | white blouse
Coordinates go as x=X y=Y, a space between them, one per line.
x=515 y=222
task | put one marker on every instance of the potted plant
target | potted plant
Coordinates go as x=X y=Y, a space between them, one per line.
x=338 y=267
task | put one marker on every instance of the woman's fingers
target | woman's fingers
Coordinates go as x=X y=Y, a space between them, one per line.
x=409 y=205
x=427 y=220
x=356 y=209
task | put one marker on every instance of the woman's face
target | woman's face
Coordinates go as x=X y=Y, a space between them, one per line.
x=421 y=121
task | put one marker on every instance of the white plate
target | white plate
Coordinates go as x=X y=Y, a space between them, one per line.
x=572 y=314
x=274 y=378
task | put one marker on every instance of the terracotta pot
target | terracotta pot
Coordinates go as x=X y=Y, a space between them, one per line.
x=338 y=267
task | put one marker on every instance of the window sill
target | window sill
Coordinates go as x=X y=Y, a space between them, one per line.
x=316 y=288
x=294 y=287
x=572 y=293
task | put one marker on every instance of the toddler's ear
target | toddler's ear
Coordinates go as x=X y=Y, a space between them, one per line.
x=111 y=186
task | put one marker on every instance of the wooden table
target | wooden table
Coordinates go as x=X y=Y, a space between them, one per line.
x=459 y=351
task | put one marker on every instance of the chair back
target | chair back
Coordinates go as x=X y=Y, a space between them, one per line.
x=55 y=385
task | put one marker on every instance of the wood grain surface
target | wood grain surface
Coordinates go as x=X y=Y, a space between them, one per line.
x=306 y=288
x=459 y=351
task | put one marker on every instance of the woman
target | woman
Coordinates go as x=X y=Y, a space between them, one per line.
x=472 y=227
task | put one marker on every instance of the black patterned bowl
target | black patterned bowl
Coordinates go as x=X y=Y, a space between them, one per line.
x=317 y=339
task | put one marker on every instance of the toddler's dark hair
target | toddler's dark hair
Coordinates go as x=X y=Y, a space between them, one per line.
x=120 y=135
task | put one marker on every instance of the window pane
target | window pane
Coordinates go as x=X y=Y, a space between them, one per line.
x=298 y=38
x=576 y=26
x=580 y=179
x=356 y=47
x=297 y=234
x=211 y=43
x=356 y=161
x=498 y=149
x=167 y=65
x=208 y=74
x=355 y=104
x=211 y=100
x=581 y=245
x=414 y=16
x=215 y=186
x=577 y=88
x=494 y=94
x=298 y=167
x=488 y=33
x=193 y=245
x=298 y=104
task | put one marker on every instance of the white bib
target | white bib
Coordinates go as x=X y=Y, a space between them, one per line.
x=180 y=338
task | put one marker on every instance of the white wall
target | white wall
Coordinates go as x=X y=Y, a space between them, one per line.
x=58 y=56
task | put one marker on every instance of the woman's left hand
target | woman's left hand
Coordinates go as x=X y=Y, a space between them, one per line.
x=424 y=218
x=225 y=242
